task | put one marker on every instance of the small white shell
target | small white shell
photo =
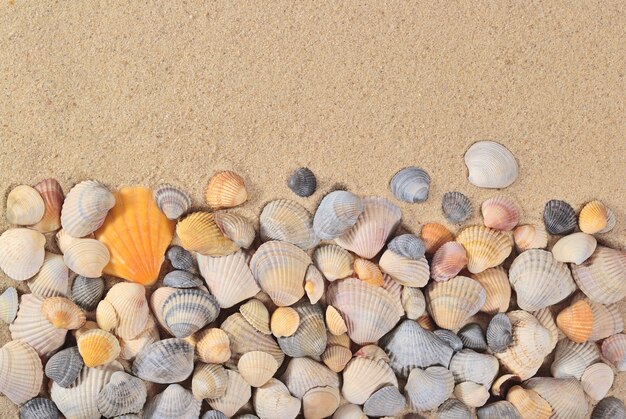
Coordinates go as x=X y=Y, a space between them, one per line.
x=85 y=208
x=21 y=253
x=25 y=206
x=87 y=257
x=172 y=201
x=287 y=221
x=52 y=279
x=490 y=165
x=363 y=376
x=574 y=248
x=8 y=305
x=274 y=401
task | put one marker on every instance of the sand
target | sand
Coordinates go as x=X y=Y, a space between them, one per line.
x=144 y=94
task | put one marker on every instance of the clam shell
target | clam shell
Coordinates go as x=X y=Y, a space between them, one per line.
x=428 y=389
x=287 y=221
x=614 y=350
x=337 y=213
x=85 y=208
x=237 y=394
x=574 y=248
x=302 y=182
x=486 y=248
x=320 y=402
x=63 y=313
x=285 y=321
x=8 y=305
x=597 y=380
x=611 y=220
x=349 y=411
x=213 y=346
x=245 y=338
x=33 y=328
x=559 y=217
x=467 y=365
x=565 y=396
x=602 y=277
x=121 y=395
x=407 y=245
x=410 y=184
x=131 y=306
x=274 y=401
x=188 y=310
x=175 y=402
x=131 y=347
x=372 y=352
x=52 y=279
x=376 y=223
x=313 y=284
x=198 y=232
x=452 y=302
x=472 y=394
x=453 y=409
x=229 y=278
x=87 y=257
x=98 y=347
x=21 y=253
x=410 y=346
x=182 y=279
x=473 y=337
x=257 y=367
x=310 y=337
x=181 y=259
x=607 y=320
x=255 y=312
x=528 y=403
x=576 y=321
x=495 y=281
x=499 y=333
x=406 y=271
x=546 y=319
x=209 y=381
x=540 y=280
x=333 y=261
x=456 y=207
x=434 y=235
x=413 y=302
x=226 y=189
x=38 y=408
x=490 y=165
x=448 y=261
x=106 y=316
x=609 y=408
x=303 y=374
x=53 y=198
x=497 y=410
x=165 y=361
x=369 y=312
x=279 y=269
x=363 y=376
x=530 y=237
x=172 y=201
x=593 y=218
x=503 y=384
x=571 y=359
x=25 y=206
x=21 y=373
x=336 y=357
x=450 y=338
x=368 y=272
x=500 y=213
x=335 y=323
x=236 y=228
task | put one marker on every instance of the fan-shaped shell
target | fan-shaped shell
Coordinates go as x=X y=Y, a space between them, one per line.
x=597 y=380
x=313 y=284
x=63 y=313
x=87 y=257
x=413 y=302
x=614 y=350
x=245 y=338
x=367 y=271
x=499 y=333
x=609 y=408
x=450 y=338
x=181 y=259
x=21 y=372
x=175 y=402
x=530 y=237
x=387 y=401
x=33 y=328
x=574 y=248
x=274 y=401
x=485 y=247
x=236 y=228
x=172 y=201
x=303 y=374
x=257 y=367
x=213 y=346
x=336 y=357
x=287 y=221
x=257 y=315
x=467 y=365
x=593 y=217
x=472 y=394
x=410 y=184
x=229 y=278
x=25 y=206
x=285 y=321
x=363 y=376
x=98 y=347
x=546 y=319
x=434 y=235
x=473 y=337
x=122 y=394
x=576 y=321
x=39 y=408
x=407 y=245
x=200 y=233
x=131 y=347
x=52 y=279
x=165 y=361
x=333 y=261
x=490 y=165
x=320 y=402
x=131 y=306
x=448 y=261
x=209 y=381
x=497 y=287
x=559 y=217
x=456 y=207
x=85 y=208
x=188 y=310
x=500 y=213
x=452 y=302
x=302 y=182
x=226 y=189
x=607 y=320
x=237 y=394
x=21 y=253
x=429 y=388
x=529 y=403
x=565 y=396
x=182 y=279
x=8 y=305
x=337 y=213
x=52 y=195
x=376 y=223
x=310 y=337
x=602 y=277
x=406 y=271
x=335 y=323
x=453 y=409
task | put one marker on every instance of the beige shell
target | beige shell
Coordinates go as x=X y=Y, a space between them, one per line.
x=363 y=376
x=274 y=401
x=303 y=374
x=8 y=305
x=285 y=321
x=106 y=316
x=614 y=350
x=85 y=208
x=565 y=396
x=498 y=289
x=21 y=372
x=413 y=302
x=427 y=389
x=21 y=253
x=503 y=384
x=349 y=411
x=574 y=248
x=255 y=312
x=340 y=340
x=63 y=313
x=471 y=394
x=547 y=320
x=313 y=284
x=33 y=328
x=500 y=213
x=320 y=402
x=25 y=206
x=372 y=351
x=336 y=357
x=490 y=165
x=452 y=302
x=237 y=228
x=129 y=301
x=245 y=338
x=213 y=346
x=530 y=237
x=237 y=394
x=593 y=218
x=87 y=257
x=368 y=271
x=602 y=277
x=448 y=261
x=607 y=320
x=257 y=367
x=597 y=380
x=286 y=220
x=529 y=403
x=434 y=235
x=52 y=279
x=485 y=247
x=129 y=348
x=576 y=321
x=98 y=347
x=333 y=261
x=198 y=232
x=334 y=322
x=64 y=240
x=53 y=198
x=226 y=189
x=209 y=381
x=408 y=272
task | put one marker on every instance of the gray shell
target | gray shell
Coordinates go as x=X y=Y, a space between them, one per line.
x=456 y=207
x=302 y=182
x=288 y=221
x=310 y=338
x=40 y=408
x=186 y=311
x=450 y=338
x=87 y=292
x=454 y=409
x=181 y=258
x=182 y=279
x=336 y=214
x=175 y=402
x=172 y=201
x=214 y=414
x=498 y=410
x=64 y=366
x=473 y=337
x=128 y=416
x=499 y=333
x=387 y=401
x=166 y=361
x=246 y=416
x=571 y=358
x=468 y=365
x=609 y=408
x=411 y=184
x=407 y=245
x=121 y=395
x=559 y=217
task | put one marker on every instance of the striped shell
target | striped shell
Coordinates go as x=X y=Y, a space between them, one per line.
x=198 y=232
x=593 y=218
x=209 y=381
x=413 y=302
x=363 y=376
x=257 y=367
x=245 y=338
x=368 y=272
x=303 y=374
x=387 y=401
x=407 y=245
x=528 y=403
x=33 y=328
x=87 y=257
x=565 y=396
x=122 y=394
x=427 y=389
x=486 y=248
x=21 y=253
x=182 y=279
x=609 y=408
x=228 y=277
x=406 y=271
x=473 y=337
x=237 y=394
x=235 y=227
x=434 y=235
x=130 y=304
x=172 y=201
x=226 y=189
x=410 y=184
x=287 y=221
x=452 y=302
x=52 y=280
x=63 y=313
x=98 y=347
x=448 y=261
x=530 y=237
x=499 y=333
x=25 y=206
x=85 y=208
x=490 y=165
x=188 y=310
x=255 y=312
x=309 y=338
x=597 y=380
x=559 y=217
x=175 y=402
x=21 y=372
x=273 y=400
x=302 y=182
x=495 y=281
x=181 y=259
x=53 y=198
x=337 y=213
x=39 y=408
x=602 y=277
x=333 y=261
x=165 y=361
x=456 y=207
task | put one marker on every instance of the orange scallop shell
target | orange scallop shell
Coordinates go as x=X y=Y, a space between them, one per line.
x=576 y=321
x=225 y=190
x=434 y=235
x=368 y=271
x=593 y=217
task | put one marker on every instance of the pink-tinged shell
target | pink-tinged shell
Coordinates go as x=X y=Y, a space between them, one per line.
x=602 y=277
x=614 y=349
x=500 y=213
x=448 y=261
x=53 y=198
x=530 y=237
x=597 y=380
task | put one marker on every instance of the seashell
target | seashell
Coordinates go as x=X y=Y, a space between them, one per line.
x=182 y=279
x=427 y=322
x=21 y=373
x=574 y=248
x=559 y=217
x=333 y=261
x=175 y=402
x=434 y=235
x=540 y=280
x=52 y=195
x=25 y=206
x=427 y=389
x=340 y=340
x=8 y=305
x=285 y=321
x=200 y=233
x=302 y=182
x=408 y=246
x=597 y=380
x=181 y=259
x=188 y=310
x=257 y=367
x=236 y=228
x=98 y=347
x=593 y=218
x=490 y=165
x=607 y=320
x=287 y=221
x=497 y=287
x=121 y=395
x=576 y=321
x=456 y=207
x=546 y=319
x=602 y=277
x=571 y=359
x=34 y=329
x=279 y=269
x=450 y=338
x=85 y=208
x=209 y=381
x=499 y=333
x=528 y=403
x=336 y=357
x=413 y=302
x=337 y=213
x=468 y=297
x=472 y=394
x=406 y=271
x=245 y=338
x=453 y=409
x=503 y=384
x=172 y=201
x=486 y=248
x=38 y=408
x=368 y=272
x=565 y=396
x=255 y=312
x=609 y=408
x=313 y=284
x=410 y=184
x=369 y=312
x=500 y=213
x=448 y=261
x=410 y=346
x=229 y=278
x=614 y=350
x=611 y=220
x=106 y=316
x=303 y=374
x=372 y=352
x=131 y=347
x=237 y=394
x=467 y=365
x=213 y=346
x=473 y=337
x=226 y=189
x=21 y=253
x=497 y=410
x=376 y=223
x=131 y=306
x=335 y=323
x=320 y=402
x=63 y=313
x=363 y=376
x=165 y=361
x=52 y=279
x=349 y=411
x=310 y=337
x=530 y=237
x=64 y=240
x=274 y=401
x=87 y=257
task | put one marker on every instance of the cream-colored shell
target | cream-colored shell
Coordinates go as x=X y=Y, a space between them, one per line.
x=21 y=253
x=87 y=257
x=52 y=279
x=25 y=206
x=21 y=372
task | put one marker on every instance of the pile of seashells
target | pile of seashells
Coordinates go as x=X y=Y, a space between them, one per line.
x=328 y=315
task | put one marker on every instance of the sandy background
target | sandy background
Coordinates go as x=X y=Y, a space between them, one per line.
x=142 y=94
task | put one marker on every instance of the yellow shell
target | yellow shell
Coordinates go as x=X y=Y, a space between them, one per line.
x=496 y=283
x=63 y=313
x=485 y=247
x=225 y=190
x=52 y=195
x=576 y=321
x=334 y=322
x=529 y=403
x=98 y=347
x=368 y=271
x=434 y=235
x=198 y=232
x=213 y=346
x=593 y=217
x=285 y=321
x=257 y=367
x=336 y=357
x=137 y=234
x=452 y=302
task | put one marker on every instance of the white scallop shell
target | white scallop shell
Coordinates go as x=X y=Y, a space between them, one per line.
x=25 y=206
x=85 y=208
x=52 y=279
x=288 y=221
x=87 y=257
x=21 y=372
x=21 y=253
x=8 y=305
x=490 y=165
x=408 y=272
x=130 y=304
x=602 y=277
x=597 y=380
